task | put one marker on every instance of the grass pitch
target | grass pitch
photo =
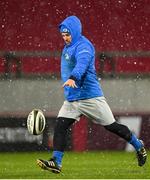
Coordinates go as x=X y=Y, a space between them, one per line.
x=83 y=165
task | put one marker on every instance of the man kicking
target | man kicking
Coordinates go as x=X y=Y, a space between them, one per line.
x=83 y=95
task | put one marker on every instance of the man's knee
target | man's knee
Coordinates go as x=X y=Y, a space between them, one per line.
x=119 y=129
x=112 y=127
x=63 y=123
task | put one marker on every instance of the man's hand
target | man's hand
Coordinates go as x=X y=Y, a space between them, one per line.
x=70 y=83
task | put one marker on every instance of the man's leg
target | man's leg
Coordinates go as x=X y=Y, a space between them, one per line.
x=124 y=132
x=59 y=144
x=59 y=140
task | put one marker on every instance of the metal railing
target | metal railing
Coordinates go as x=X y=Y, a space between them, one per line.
x=14 y=56
x=46 y=54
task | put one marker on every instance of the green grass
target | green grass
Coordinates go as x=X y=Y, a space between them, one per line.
x=84 y=165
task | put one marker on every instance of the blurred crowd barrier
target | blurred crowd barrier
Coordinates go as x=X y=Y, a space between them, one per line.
x=18 y=64
x=84 y=135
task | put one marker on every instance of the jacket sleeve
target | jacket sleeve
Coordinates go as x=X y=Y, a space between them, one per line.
x=83 y=57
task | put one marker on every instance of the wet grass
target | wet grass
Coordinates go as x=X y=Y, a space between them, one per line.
x=83 y=165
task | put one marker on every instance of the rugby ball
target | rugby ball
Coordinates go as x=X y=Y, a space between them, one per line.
x=36 y=122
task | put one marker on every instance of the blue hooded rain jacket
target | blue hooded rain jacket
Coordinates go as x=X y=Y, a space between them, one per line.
x=78 y=63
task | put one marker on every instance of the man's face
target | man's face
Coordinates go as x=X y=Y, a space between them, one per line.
x=66 y=37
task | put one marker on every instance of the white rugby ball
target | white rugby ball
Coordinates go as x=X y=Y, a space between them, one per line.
x=36 y=122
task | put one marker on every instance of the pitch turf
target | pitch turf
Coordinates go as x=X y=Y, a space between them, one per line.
x=84 y=165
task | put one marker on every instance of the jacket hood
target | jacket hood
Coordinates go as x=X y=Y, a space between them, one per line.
x=73 y=24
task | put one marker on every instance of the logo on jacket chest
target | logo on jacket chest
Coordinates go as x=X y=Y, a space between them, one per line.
x=66 y=56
